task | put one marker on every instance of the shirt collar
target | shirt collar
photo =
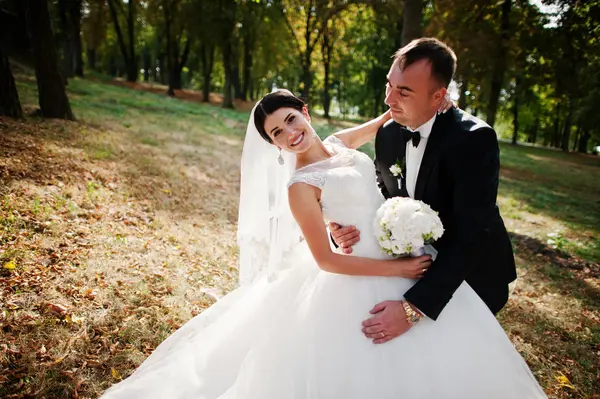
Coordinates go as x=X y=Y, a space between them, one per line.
x=425 y=129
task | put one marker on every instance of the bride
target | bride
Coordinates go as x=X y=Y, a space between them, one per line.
x=293 y=328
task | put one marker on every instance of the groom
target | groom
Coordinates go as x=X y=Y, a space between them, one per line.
x=451 y=162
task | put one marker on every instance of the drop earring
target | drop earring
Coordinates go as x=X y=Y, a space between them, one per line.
x=280 y=158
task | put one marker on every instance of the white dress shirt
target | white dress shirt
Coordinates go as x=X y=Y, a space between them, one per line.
x=414 y=156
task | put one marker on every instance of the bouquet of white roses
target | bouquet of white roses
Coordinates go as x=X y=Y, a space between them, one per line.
x=404 y=226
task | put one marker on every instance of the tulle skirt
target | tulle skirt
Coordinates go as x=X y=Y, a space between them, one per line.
x=299 y=336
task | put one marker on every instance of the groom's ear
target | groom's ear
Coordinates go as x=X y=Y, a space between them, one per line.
x=438 y=96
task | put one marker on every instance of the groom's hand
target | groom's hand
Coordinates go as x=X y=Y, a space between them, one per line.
x=344 y=236
x=389 y=322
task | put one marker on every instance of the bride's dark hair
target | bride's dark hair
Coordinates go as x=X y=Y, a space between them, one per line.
x=270 y=103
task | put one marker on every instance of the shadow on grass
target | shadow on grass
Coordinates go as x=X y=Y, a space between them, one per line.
x=550 y=350
x=565 y=273
x=540 y=331
x=26 y=158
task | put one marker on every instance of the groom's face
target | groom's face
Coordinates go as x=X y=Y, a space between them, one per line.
x=411 y=93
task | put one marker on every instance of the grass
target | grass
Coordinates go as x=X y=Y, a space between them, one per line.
x=118 y=228
x=552 y=192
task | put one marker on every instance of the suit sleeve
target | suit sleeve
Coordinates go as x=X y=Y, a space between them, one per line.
x=473 y=166
x=380 y=182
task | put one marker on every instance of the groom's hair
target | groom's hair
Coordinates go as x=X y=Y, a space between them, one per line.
x=441 y=57
x=270 y=103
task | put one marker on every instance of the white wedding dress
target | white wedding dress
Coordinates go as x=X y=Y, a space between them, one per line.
x=298 y=336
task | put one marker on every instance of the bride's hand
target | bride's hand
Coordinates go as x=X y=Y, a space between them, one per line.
x=413 y=267
x=386 y=116
x=446 y=104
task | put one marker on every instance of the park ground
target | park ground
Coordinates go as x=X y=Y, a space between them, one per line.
x=118 y=228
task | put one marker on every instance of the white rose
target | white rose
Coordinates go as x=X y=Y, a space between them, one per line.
x=396 y=170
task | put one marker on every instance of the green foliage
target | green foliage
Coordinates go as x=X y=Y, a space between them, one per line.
x=550 y=89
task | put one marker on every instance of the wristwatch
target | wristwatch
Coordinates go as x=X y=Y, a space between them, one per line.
x=412 y=316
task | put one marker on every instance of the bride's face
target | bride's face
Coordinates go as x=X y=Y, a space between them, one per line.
x=290 y=129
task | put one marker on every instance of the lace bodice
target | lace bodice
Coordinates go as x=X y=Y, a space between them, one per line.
x=349 y=192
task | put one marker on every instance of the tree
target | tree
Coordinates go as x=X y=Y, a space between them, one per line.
x=411 y=20
x=66 y=39
x=251 y=16
x=227 y=12
x=327 y=54
x=305 y=21
x=9 y=98
x=499 y=65
x=94 y=29
x=175 y=60
x=207 y=54
x=51 y=85
x=127 y=49
x=75 y=15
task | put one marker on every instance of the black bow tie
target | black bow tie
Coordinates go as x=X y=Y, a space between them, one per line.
x=415 y=137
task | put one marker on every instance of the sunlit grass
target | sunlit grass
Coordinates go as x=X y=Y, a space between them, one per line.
x=128 y=218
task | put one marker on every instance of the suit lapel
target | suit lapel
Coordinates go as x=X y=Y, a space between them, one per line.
x=402 y=159
x=432 y=151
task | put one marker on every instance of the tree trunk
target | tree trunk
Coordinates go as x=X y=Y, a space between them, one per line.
x=583 y=141
x=376 y=86
x=170 y=49
x=326 y=95
x=207 y=53
x=51 y=87
x=327 y=49
x=411 y=20
x=227 y=10
x=113 y=69
x=9 y=97
x=576 y=140
x=91 y=57
x=499 y=64
x=161 y=69
x=251 y=90
x=247 y=71
x=155 y=69
x=128 y=51
x=556 y=133
x=66 y=40
x=132 y=69
x=534 y=131
x=75 y=16
x=306 y=81
x=235 y=74
x=227 y=90
x=340 y=97
x=158 y=61
x=146 y=64
x=177 y=79
x=516 y=111
x=566 y=135
x=179 y=62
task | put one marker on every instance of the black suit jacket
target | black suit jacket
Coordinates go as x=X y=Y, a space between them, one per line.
x=458 y=178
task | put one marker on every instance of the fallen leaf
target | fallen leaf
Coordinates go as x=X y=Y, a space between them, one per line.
x=90 y=294
x=10 y=265
x=73 y=319
x=115 y=374
x=58 y=309
x=563 y=381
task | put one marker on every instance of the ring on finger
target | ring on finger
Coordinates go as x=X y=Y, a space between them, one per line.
x=382 y=335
